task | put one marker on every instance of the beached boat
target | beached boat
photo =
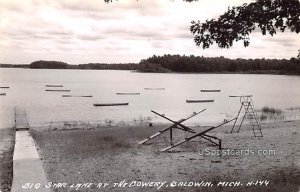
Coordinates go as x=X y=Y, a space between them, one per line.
x=2 y=94
x=128 y=93
x=109 y=104
x=210 y=90
x=77 y=95
x=54 y=85
x=200 y=101
x=58 y=90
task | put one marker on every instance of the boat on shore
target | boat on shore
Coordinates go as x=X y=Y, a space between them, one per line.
x=200 y=101
x=109 y=104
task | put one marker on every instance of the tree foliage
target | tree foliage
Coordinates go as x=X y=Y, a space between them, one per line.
x=48 y=65
x=197 y=64
x=238 y=22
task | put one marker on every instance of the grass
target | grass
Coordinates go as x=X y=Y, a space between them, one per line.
x=293 y=108
x=271 y=110
x=271 y=113
x=7 y=141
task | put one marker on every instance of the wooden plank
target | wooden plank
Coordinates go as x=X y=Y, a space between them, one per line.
x=151 y=137
x=200 y=101
x=58 y=90
x=195 y=135
x=179 y=124
x=160 y=132
x=109 y=104
x=21 y=121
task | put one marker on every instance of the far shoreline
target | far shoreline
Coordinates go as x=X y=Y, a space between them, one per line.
x=271 y=72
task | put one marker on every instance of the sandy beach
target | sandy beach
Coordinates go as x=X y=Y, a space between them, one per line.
x=110 y=159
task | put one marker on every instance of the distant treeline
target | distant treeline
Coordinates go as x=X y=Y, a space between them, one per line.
x=124 y=66
x=197 y=64
x=186 y=64
x=96 y=66
x=14 y=65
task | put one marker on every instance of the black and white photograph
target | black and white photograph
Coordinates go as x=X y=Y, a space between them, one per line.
x=149 y=95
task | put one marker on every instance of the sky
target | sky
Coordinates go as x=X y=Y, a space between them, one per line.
x=91 y=31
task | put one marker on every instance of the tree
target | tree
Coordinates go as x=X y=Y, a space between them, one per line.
x=48 y=65
x=238 y=22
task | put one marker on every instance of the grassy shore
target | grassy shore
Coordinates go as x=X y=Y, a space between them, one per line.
x=7 y=141
x=99 y=155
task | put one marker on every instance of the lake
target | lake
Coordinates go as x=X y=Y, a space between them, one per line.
x=27 y=89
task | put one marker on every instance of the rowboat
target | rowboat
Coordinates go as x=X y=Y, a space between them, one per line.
x=200 y=101
x=154 y=88
x=58 y=90
x=77 y=96
x=109 y=104
x=2 y=94
x=54 y=85
x=210 y=90
x=128 y=93
x=240 y=95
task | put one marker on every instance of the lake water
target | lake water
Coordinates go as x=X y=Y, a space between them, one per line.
x=27 y=88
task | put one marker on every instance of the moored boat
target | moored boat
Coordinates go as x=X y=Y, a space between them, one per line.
x=200 y=101
x=210 y=90
x=109 y=104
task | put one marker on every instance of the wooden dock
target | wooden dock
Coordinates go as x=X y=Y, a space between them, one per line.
x=27 y=165
x=21 y=121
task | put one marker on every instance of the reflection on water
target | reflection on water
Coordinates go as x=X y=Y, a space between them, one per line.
x=27 y=88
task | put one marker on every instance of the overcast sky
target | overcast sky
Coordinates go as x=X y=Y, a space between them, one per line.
x=84 y=31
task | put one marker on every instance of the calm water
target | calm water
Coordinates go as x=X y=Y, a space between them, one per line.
x=27 y=88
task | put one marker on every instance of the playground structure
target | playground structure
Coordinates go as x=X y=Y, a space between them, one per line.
x=246 y=103
x=176 y=124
